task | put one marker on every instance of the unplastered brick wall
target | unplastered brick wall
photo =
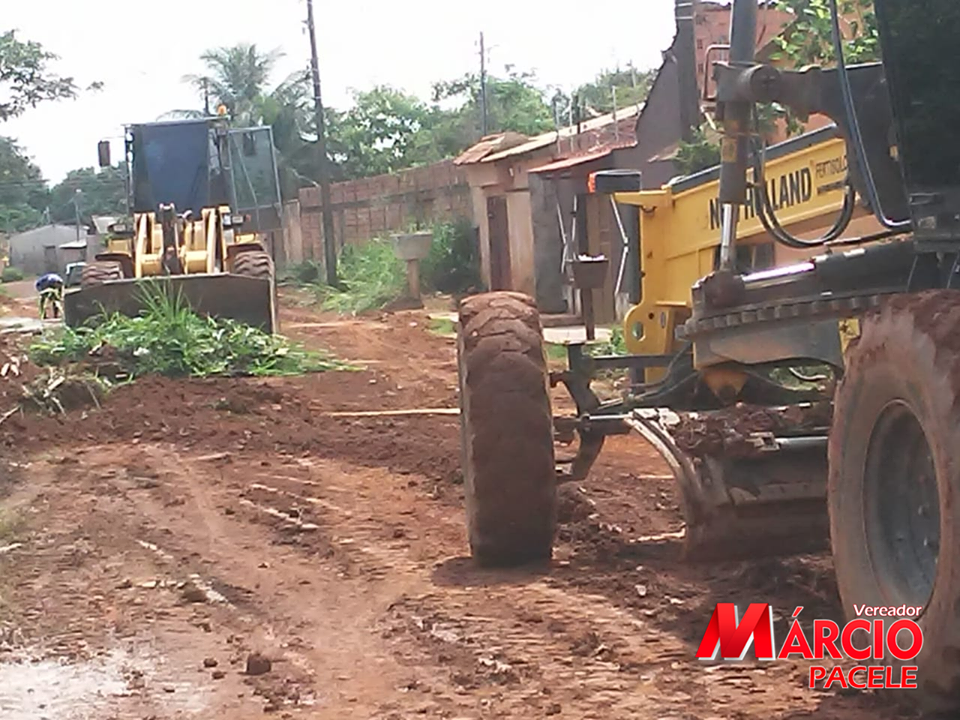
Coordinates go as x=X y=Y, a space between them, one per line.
x=371 y=207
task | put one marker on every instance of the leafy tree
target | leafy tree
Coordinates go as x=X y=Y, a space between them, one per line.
x=513 y=103
x=101 y=193
x=23 y=192
x=808 y=40
x=384 y=131
x=698 y=154
x=26 y=79
x=632 y=87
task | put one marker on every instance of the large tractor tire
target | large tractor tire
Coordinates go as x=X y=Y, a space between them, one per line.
x=259 y=264
x=894 y=485
x=506 y=431
x=97 y=273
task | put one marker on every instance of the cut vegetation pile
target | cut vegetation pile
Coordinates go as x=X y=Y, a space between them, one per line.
x=169 y=339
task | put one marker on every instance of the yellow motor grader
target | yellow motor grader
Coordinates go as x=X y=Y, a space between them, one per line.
x=186 y=237
x=769 y=460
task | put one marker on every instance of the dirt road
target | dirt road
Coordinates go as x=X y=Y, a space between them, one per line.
x=148 y=549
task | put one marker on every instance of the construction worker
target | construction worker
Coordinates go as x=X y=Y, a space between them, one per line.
x=50 y=287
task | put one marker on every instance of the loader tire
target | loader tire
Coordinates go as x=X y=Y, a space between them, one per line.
x=257 y=264
x=97 y=273
x=506 y=431
x=894 y=482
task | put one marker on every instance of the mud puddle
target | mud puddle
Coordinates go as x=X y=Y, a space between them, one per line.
x=54 y=689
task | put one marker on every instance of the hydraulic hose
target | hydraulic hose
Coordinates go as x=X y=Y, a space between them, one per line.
x=851 y=111
x=771 y=224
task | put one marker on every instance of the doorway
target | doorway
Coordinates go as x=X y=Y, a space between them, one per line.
x=499 y=228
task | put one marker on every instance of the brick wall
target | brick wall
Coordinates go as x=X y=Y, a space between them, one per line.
x=371 y=207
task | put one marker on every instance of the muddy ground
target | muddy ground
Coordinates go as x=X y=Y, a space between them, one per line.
x=150 y=547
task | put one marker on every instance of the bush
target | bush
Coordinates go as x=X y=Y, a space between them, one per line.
x=371 y=276
x=309 y=272
x=11 y=274
x=454 y=262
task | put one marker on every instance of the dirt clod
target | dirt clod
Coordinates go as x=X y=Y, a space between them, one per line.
x=258 y=664
x=210 y=662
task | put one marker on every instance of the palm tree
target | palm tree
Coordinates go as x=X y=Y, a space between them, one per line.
x=238 y=78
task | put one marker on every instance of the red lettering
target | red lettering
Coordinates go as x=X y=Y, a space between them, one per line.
x=916 y=640
x=878 y=637
x=846 y=639
x=854 y=683
x=836 y=675
x=825 y=636
x=890 y=684
x=731 y=639
x=908 y=678
x=875 y=677
x=817 y=672
x=796 y=644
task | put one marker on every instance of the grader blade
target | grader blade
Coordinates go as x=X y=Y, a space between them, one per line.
x=752 y=480
x=247 y=300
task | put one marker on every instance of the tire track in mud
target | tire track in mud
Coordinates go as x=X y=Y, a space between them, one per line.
x=496 y=632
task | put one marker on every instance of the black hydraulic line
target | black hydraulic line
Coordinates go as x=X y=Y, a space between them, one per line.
x=771 y=224
x=851 y=112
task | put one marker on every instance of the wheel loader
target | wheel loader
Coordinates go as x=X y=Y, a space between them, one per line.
x=866 y=464
x=186 y=237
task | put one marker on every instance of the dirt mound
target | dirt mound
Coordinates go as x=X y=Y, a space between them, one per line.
x=726 y=432
x=275 y=415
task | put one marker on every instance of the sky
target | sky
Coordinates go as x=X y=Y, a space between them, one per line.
x=362 y=43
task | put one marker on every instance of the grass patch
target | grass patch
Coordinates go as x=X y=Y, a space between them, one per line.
x=371 y=277
x=443 y=327
x=169 y=339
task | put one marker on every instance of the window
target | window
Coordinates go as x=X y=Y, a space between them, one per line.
x=699 y=43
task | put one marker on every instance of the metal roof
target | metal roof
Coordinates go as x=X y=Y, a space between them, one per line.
x=546 y=139
x=487 y=145
x=570 y=162
x=505 y=145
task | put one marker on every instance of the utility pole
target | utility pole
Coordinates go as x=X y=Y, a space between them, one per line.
x=329 y=242
x=483 y=88
x=76 y=211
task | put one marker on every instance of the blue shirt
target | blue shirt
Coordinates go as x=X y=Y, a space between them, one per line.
x=48 y=281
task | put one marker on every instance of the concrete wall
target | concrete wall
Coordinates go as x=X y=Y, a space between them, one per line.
x=36 y=251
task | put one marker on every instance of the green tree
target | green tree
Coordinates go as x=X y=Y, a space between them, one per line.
x=632 y=87
x=26 y=79
x=236 y=77
x=385 y=130
x=23 y=192
x=698 y=154
x=239 y=77
x=514 y=103
x=102 y=192
x=808 y=39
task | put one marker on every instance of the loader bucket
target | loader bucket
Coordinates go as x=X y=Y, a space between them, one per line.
x=244 y=299
x=752 y=480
